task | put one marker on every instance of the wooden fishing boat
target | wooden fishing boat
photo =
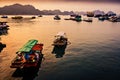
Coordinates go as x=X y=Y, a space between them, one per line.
x=4 y=16
x=76 y=18
x=33 y=17
x=29 y=55
x=39 y=15
x=17 y=17
x=3 y=25
x=60 y=39
x=56 y=17
x=87 y=19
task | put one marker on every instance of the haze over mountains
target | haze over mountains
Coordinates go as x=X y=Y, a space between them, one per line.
x=18 y=9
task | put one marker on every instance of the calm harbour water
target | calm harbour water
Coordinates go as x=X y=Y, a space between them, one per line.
x=94 y=52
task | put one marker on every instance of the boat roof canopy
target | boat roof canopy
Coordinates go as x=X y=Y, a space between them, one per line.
x=61 y=34
x=28 y=46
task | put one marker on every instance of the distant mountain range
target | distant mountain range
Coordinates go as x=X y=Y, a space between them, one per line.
x=18 y=9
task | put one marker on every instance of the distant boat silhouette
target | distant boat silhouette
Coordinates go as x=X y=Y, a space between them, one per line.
x=4 y=31
x=87 y=19
x=4 y=16
x=3 y=25
x=33 y=17
x=39 y=15
x=17 y=17
x=56 y=17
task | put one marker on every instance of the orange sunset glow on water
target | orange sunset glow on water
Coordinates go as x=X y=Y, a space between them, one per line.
x=59 y=40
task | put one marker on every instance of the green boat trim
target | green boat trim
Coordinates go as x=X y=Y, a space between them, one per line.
x=78 y=19
x=28 y=46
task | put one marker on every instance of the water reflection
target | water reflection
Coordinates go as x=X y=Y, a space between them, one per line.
x=2 y=46
x=4 y=31
x=59 y=51
x=25 y=20
x=87 y=40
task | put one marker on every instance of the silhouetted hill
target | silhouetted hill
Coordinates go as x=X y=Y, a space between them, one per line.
x=18 y=9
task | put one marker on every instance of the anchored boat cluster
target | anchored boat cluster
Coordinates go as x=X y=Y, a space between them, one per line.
x=3 y=31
